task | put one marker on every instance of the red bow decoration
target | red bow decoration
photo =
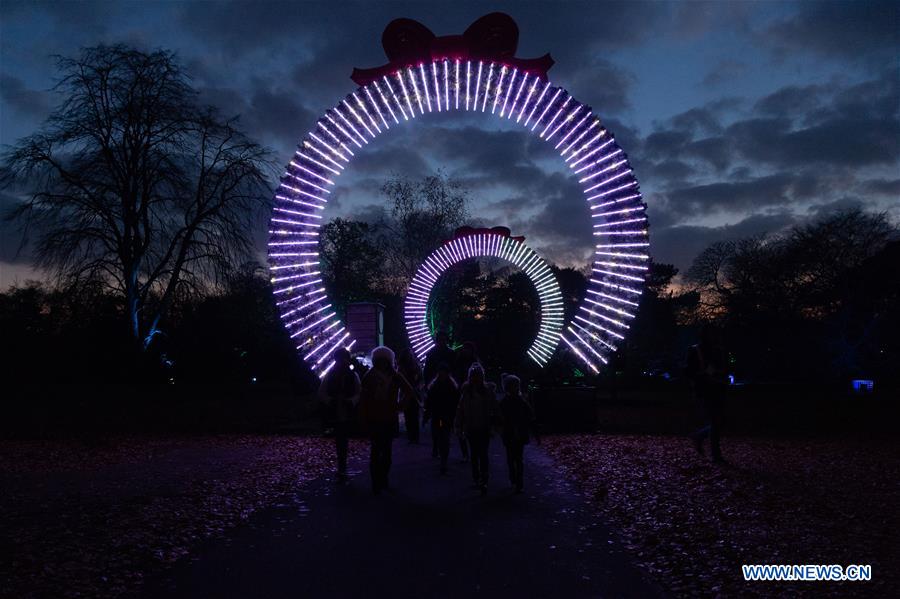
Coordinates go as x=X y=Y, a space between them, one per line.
x=493 y=37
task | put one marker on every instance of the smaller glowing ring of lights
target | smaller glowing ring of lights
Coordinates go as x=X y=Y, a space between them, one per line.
x=486 y=245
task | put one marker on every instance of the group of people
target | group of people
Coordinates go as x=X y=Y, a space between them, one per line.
x=457 y=399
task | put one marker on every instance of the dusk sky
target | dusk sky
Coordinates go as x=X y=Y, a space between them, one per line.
x=739 y=117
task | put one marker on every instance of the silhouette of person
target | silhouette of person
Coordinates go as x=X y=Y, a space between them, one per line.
x=378 y=410
x=440 y=407
x=476 y=413
x=412 y=372
x=707 y=369
x=437 y=355
x=465 y=356
x=518 y=427
x=339 y=390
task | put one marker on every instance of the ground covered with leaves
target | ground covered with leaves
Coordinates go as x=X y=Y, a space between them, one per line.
x=93 y=519
x=691 y=524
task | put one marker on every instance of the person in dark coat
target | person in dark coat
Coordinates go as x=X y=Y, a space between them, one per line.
x=437 y=355
x=476 y=414
x=707 y=368
x=465 y=357
x=440 y=408
x=409 y=367
x=339 y=390
x=378 y=411
x=518 y=427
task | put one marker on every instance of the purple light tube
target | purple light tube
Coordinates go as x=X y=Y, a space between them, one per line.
x=555 y=116
x=585 y=146
x=341 y=129
x=546 y=108
x=437 y=87
x=358 y=118
x=456 y=86
x=385 y=101
x=617 y=287
x=572 y=131
x=347 y=122
x=314 y=174
x=499 y=88
x=394 y=95
x=618 y=275
x=425 y=86
x=536 y=104
x=580 y=355
x=568 y=119
x=588 y=129
x=374 y=105
x=518 y=94
x=599 y=327
x=620 y=211
x=612 y=309
x=604 y=317
x=593 y=336
x=588 y=345
x=509 y=88
x=617 y=223
x=332 y=348
x=614 y=298
x=487 y=87
x=309 y=146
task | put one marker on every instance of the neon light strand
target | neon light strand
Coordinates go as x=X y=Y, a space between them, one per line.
x=588 y=149
x=471 y=246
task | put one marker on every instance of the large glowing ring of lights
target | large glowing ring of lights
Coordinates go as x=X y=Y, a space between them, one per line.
x=619 y=221
x=484 y=245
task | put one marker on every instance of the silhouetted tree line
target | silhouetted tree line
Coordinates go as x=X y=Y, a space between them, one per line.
x=142 y=203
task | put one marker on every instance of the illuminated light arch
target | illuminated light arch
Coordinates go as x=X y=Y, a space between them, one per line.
x=485 y=244
x=587 y=147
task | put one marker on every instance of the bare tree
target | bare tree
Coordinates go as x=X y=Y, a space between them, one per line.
x=423 y=214
x=131 y=183
x=352 y=260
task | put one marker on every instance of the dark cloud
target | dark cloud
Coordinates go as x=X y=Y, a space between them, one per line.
x=700 y=120
x=274 y=115
x=883 y=187
x=854 y=31
x=610 y=86
x=844 y=140
x=27 y=102
x=680 y=244
x=732 y=196
x=817 y=211
x=791 y=100
x=723 y=72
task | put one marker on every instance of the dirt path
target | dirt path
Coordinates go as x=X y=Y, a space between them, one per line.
x=429 y=536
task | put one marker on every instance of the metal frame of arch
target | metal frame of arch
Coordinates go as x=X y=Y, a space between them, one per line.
x=619 y=223
x=487 y=244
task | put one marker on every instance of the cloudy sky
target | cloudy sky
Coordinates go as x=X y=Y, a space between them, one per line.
x=739 y=117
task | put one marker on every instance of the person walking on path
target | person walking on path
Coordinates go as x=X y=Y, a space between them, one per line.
x=378 y=411
x=437 y=355
x=339 y=390
x=412 y=372
x=476 y=413
x=440 y=408
x=465 y=356
x=518 y=427
x=707 y=369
